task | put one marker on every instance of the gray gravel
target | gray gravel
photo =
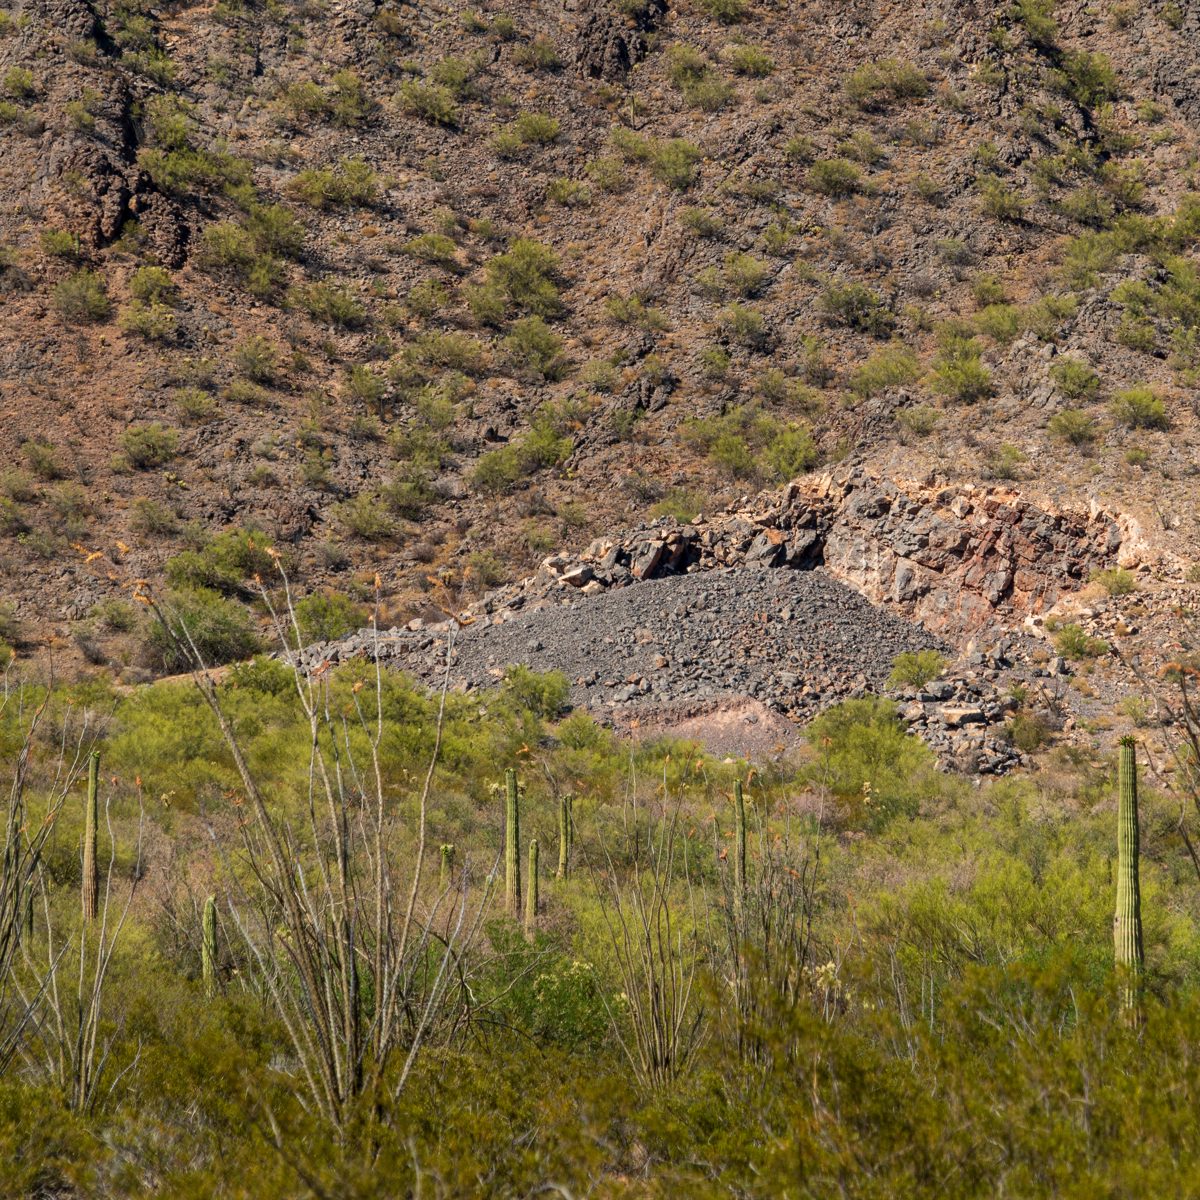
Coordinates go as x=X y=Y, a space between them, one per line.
x=796 y=640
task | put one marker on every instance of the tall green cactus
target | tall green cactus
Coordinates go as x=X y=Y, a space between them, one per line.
x=91 y=870
x=446 y=870
x=566 y=835
x=531 y=892
x=739 y=850
x=208 y=946
x=1127 y=922
x=512 y=844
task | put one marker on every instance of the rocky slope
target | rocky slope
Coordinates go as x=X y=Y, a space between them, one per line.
x=935 y=236
x=807 y=596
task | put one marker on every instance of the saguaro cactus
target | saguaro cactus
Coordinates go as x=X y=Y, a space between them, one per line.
x=739 y=850
x=91 y=816
x=531 y=892
x=1127 y=922
x=446 y=870
x=208 y=946
x=512 y=844
x=566 y=835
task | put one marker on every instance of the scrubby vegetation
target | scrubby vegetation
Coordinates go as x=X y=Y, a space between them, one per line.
x=720 y=973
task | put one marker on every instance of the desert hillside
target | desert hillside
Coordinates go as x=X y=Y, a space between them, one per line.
x=598 y=598
x=432 y=291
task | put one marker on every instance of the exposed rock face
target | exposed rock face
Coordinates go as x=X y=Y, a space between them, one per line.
x=608 y=43
x=956 y=558
x=958 y=564
x=1176 y=75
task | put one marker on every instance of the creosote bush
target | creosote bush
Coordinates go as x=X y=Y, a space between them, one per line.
x=82 y=298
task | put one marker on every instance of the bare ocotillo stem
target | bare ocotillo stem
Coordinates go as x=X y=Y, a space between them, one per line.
x=208 y=946
x=512 y=844
x=91 y=817
x=739 y=851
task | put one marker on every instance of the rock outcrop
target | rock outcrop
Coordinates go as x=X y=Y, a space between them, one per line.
x=957 y=558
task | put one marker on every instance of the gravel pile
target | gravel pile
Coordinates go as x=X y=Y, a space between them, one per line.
x=795 y=640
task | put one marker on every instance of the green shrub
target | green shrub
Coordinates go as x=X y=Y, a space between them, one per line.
x=1139 y=408
x=570 y=193
x=153 y=284
x=221 y=630
x=1075 y=379
x=632 y=310
x=747 y=443
x=874 y=85
x=728 y=12
x=536 y=348
x=18 y=83
x=352 y=181
x=81 y=298
x=959 y=372
x=674 y=162
x=546 y=444
x=894 y=366
x=42 y=459
x=1089 y=79
x=999 y=200
x=916 y=668
x=544 y=694
x=430 y=102
x=330 y=303
x=365 y=517
x=60 y=243
x=834 y=177
x=876 y=769
x=1071 y=641
x=799 y=149
x=1037 y=16
x=228 y=246
x=1027 y=732
x=256 y=358
x=1116 y=581
x=227 y=563
x=708 y=93
x=152 y=519
x=1072 y=425
x=524 y=278
x=855 y=305
x=349 y=104
x=749 y=60
x=154 y=321
x=529 y=129
x=150 y=445
x=607 y=174
x=537 y=55
x=744 y=324
x=599 y=375
x=324 y=616
x=744 y=274
x=863 y=148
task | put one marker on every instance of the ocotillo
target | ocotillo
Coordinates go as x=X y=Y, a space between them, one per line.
x=531 y=892
x=1127 y=921
x=91 y=871
x=739 y=851
x=512 y=844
